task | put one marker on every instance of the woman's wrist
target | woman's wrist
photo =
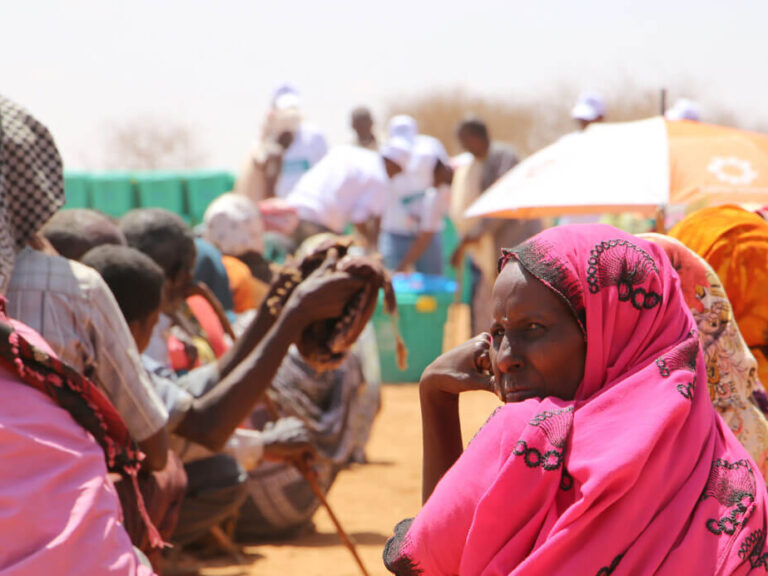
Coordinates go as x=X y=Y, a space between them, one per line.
x=433 y=391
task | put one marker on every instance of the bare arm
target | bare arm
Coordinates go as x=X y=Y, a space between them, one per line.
x=441 y=435
x=214 y=416
x=459 y=370
x=369 y=231
x=155 y=449
x=272 y=168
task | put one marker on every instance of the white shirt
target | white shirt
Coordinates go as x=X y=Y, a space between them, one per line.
x=415 y=205
x=350 y=184
x=306 y=150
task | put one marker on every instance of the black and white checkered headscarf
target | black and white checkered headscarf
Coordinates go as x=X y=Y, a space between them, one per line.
x=31 y=182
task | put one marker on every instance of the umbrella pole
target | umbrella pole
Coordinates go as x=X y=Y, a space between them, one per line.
x=663 y=101
x=661 y=217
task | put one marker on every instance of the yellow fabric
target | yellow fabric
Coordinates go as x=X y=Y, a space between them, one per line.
x=734 y=242
x=247 y=291
x=465 y=189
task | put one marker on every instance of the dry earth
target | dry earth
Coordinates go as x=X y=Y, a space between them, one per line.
x=369 y=500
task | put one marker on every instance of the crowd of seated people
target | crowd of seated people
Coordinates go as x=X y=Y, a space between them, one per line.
x=126 y=376
x=156 y=390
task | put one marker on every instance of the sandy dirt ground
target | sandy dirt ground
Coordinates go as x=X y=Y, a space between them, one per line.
x=368 y=499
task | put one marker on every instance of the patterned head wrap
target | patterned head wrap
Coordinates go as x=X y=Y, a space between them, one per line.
x=734 y=242
x=636 y=475
x=731 y=368
x=31 y=182
x=233 y=224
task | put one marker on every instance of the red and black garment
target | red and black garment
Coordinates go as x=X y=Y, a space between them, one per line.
x=82 y=399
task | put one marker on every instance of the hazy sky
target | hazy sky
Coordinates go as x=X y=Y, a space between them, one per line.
x=84 y=65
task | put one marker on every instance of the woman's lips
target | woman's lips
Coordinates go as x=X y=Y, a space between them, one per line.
x=517 y=393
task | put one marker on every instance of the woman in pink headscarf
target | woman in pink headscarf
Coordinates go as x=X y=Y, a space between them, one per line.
x=608 y=457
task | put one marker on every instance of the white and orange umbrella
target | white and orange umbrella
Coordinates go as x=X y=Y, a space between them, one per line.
x=633 y=166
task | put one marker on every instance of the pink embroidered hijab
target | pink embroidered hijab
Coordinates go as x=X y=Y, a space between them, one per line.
x=637 y=475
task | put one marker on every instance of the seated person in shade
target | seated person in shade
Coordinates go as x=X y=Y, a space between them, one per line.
x=180 y=340
x=280 y=502
x=233 y=224
x=338 y=406
x=207 y=404
x=607 y=456
x=60 y=514
x=73 y=232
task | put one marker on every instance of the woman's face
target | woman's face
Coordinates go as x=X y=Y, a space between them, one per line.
x=538 y=348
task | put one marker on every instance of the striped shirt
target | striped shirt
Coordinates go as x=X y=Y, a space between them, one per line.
x=71 y=306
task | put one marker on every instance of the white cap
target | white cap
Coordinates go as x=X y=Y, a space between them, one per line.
x=589 y=107
x=402 y=126
x=286 y=96
x=684 y=109
x=232 y=223
x=397 y=150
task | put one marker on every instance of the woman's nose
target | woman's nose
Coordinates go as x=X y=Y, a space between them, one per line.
x=509 y=358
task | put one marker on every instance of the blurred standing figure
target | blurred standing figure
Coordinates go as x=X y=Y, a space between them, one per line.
x=362 y=124
x=349 y=186
x=307 y=147
x=261 y=171
x=684 y=109
x=482 y=239
x=413 y=222
x=589 y=108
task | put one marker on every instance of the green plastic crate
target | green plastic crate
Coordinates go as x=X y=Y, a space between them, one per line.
x=161 y=190
x=113 y=193
x=202 y=188
x=421 y=320
x=76 y=187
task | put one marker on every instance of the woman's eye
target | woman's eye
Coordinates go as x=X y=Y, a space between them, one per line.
x=535 y=326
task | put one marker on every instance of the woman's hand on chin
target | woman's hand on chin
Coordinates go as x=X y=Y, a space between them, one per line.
x=467 y=367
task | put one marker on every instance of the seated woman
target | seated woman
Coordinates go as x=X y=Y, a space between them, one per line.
x=280 y=502
x=734 y=242
x=608 y=456
x=731 y=367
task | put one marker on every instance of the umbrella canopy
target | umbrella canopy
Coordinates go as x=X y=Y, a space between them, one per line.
x=633 y=166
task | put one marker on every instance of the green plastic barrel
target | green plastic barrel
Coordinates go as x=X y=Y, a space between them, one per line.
x=113 y=193
x=77 y=187
x=161 y=190
x=421 y=321
x=202 y=188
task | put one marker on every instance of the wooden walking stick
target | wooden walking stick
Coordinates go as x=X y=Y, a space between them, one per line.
x=305 y=469
x=311 y=477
